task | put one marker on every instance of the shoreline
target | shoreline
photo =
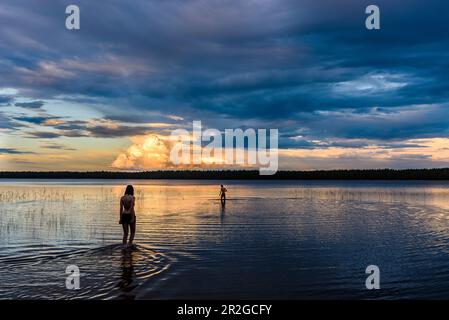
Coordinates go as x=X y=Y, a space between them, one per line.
x=367 y=174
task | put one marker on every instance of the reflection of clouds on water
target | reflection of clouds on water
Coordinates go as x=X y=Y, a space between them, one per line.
x=281 y=239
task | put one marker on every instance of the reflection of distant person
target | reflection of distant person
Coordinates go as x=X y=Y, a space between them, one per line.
x=128 y=216
x=223 y=212
x=223 y=191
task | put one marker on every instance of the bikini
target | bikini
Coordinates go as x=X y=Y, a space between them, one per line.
x=126 y=217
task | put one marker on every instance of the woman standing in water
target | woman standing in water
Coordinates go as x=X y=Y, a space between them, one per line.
x=128 y=216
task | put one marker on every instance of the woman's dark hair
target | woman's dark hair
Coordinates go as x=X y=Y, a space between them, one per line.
x=129 y=190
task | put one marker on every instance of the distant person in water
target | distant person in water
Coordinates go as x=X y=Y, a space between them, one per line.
x=128 y=216
x=223 y=191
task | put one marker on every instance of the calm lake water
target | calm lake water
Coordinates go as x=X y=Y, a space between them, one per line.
x=294 y=240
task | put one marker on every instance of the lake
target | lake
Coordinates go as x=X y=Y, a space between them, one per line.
x=272 y=239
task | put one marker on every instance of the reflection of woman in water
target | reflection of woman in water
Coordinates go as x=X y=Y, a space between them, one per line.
x=223 y=191
x=128 y=216
x=128 y=274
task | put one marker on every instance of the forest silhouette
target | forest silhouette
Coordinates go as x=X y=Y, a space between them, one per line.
x=368 y=174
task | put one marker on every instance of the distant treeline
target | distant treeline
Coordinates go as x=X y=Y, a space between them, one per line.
x=372 y=174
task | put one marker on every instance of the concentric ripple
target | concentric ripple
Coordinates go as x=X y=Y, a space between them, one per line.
x=105 y=273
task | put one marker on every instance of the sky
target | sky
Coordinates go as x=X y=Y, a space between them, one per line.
x=107 y=96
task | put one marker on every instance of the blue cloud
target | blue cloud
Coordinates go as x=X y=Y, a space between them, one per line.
x=30 y=105
x=13 y=151
x=34 y=119
x=5 y=100
x=294 y=65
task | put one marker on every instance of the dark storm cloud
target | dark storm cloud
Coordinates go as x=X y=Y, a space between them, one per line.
x=71 y=125
x=13 y=151
x=57 y=146
x=119 y=131
x=43 y=135
x=40 y=120
x=424 y=121
x=312 y=63
x=30 y=105
x=305 y=143
x=77 y=128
